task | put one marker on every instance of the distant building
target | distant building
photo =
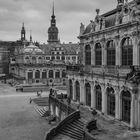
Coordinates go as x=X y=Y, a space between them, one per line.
x=108 y=78
x=44 y=63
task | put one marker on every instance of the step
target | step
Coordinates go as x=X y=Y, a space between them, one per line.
x=41 y=111
x=74 y=130
x=75 y=126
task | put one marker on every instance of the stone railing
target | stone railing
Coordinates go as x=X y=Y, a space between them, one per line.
x=54 y=131
x=90 y=126
x=61 y=104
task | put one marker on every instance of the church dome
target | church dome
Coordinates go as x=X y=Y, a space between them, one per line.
x=53 y=29
x=32 y=49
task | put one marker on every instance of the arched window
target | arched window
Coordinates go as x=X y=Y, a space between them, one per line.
x=40 y=60
x=127 y=52
x=57 y=74
x=88 y=55
x=111 y=53
x=88 y=94
x=30 y=74
x=58 y=57
x=44 y=74
x=98 y=93
x=63 y=57
x=53 y=58
x=71 y=89
x=51 y=74
x=110 y=101
x=27 y=60
x=34 y=60
x=126 y=106
x=63 y=74
x=98 y=54
x=37 y=74
x=77 y=85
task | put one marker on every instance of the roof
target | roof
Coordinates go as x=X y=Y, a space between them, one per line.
x=110 y=18
x=32 y=49
x=69 y=49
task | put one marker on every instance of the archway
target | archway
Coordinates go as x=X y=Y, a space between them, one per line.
x=30 y=74
x=44 y=74
x=50 y=73
x=110 y=101
x=88 y=94
x=126 y=106
x=37 y=74
x=98 y=54
x=111 y=53
x=34 y=60
x=127 y=52
x=98 y=93
x=77 y=87
x=88 y=55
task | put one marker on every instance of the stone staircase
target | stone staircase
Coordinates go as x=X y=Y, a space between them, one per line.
x=42 y=101
x=73 y=130
x=43 y=111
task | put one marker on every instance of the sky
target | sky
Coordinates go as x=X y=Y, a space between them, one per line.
x=36 y=15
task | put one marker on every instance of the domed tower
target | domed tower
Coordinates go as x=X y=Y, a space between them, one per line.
x=53 y=30
x=23 y=33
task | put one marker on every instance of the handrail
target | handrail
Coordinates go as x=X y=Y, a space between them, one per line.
x=70 y=118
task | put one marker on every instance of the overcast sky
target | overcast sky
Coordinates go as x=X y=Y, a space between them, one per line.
x=36 y=15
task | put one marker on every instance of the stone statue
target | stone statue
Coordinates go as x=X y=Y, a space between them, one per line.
x=93 y=25
x=82 y=28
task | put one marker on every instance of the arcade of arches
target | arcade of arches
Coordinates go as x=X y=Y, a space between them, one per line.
x=108 y=100
x=45 y=75
x=98 y=54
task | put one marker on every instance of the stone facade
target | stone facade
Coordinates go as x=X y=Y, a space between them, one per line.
x=108 y=80
x=44 y=63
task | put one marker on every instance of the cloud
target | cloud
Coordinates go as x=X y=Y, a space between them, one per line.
x=36 y=15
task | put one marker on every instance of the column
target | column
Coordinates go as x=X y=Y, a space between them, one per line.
x=61 y=74
x=83 y=54
x=135 y=51
x=26 y=75
x=93 y=55
x=118 y=52
x=92 y=96
x=139 y=115
x=104 y=55
x=40 y=75
x=54 y=74
x=68 y=87
x=132 y=119
x=104 y=104
x=136 y=113
x=33 y=74
x=82 y=92
x=117 y=104
x=74 y=92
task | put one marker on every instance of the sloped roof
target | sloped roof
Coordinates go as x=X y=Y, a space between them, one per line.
x=69 y=49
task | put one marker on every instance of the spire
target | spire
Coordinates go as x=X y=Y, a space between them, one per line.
x=53 y=30
x=53 y=9
x=53 y=16
x=23 y=32
x=30 y=36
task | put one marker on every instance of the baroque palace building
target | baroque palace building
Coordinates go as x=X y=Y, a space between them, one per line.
x=44 y=63
x=108 y=79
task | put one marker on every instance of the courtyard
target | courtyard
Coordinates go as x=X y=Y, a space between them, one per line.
x=18 y=118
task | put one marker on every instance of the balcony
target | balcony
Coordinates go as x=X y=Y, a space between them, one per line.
x=113 y=71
